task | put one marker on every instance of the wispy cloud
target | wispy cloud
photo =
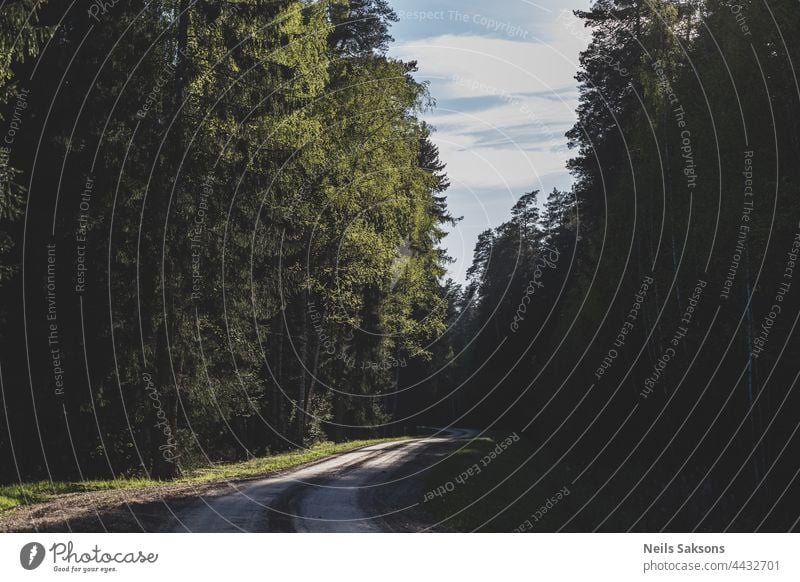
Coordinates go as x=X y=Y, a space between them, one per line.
x=504 y=103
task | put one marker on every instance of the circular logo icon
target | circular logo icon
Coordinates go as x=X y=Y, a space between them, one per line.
x=31 y=555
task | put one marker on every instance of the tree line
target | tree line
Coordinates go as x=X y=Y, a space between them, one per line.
x=639 y=328
x=221 y=227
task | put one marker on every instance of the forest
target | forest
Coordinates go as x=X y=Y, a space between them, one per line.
x=223 y=234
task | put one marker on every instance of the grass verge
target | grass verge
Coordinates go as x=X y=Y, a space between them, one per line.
x=36 y=492
x=516 y=490
x=486 y=499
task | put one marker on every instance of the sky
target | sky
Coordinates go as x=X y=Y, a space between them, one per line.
x=502 y=74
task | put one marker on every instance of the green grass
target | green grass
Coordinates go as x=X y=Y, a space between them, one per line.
x=507 y=506
x=27 y=493
x=497 y=511
x=445 y=506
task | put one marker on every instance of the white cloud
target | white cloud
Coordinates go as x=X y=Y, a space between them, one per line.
x=515 y=134
x=507 y=65
x=503 y=108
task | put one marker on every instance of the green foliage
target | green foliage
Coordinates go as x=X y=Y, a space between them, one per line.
x=20 y=38
x=250 y=160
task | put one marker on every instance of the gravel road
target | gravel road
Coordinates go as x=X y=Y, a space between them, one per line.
x=372 y=489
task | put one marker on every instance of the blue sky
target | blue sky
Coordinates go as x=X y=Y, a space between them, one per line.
x=502 y=74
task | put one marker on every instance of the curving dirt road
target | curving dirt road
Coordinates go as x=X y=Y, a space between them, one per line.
x=372 y=489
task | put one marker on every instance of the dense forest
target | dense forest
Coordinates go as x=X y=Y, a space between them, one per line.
x=640 y=328
x=222 y=231
x=202 y=208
